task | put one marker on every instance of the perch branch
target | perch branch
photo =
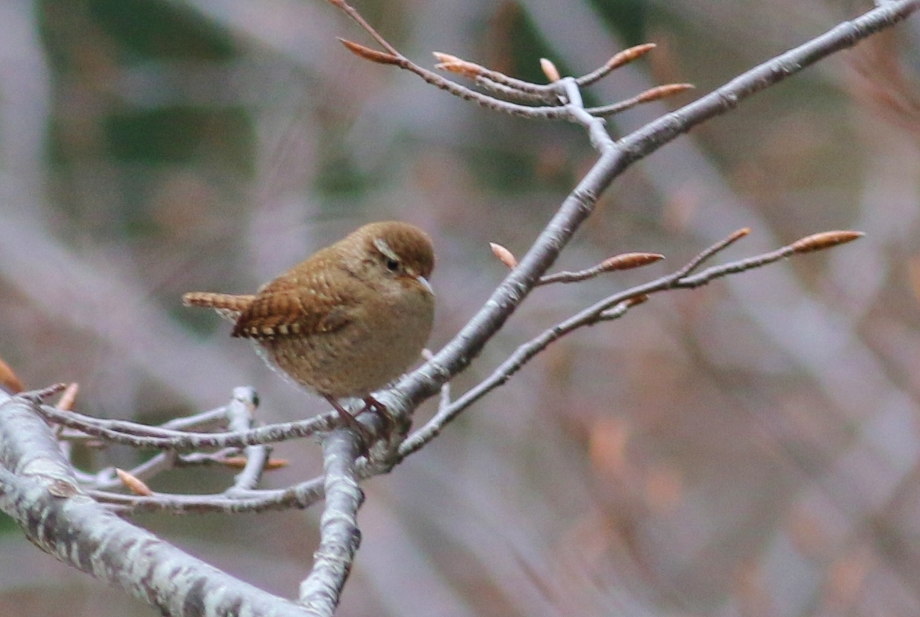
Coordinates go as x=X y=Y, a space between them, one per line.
x=469 y=342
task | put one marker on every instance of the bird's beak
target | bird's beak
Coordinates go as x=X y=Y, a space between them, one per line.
x=424 y=282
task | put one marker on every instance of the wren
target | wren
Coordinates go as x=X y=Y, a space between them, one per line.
x=348 y=320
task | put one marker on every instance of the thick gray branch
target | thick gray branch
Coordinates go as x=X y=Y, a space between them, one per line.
x=38 y=490
x=340 y=536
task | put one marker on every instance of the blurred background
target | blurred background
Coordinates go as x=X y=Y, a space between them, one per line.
x=749 y=448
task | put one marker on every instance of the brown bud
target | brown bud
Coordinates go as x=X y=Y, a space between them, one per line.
x=9 y=380
x=627 y=261
x=824 y=240
x=440 y=56
x=459 y=66
x=550 y=70
x=737 y=235
x=662 y=92
x=369 y=54
x=504 y=255
x=628 y=55
x=238 y=462
x=133 y=483
x=69 y=397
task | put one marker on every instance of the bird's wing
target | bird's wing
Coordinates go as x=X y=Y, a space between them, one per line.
x=296 y=308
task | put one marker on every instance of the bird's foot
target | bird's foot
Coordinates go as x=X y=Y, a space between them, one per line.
x=372 y=404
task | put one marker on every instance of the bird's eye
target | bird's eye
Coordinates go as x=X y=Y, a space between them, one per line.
x=392 y=265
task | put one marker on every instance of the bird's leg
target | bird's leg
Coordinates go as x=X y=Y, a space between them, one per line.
x=351 y=422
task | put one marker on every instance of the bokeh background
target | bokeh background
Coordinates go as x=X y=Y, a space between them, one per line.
x=749 y=448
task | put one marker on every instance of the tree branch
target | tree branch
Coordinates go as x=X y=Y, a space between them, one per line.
x=39 y=492
x=614 y=307
x=469 y=342
x=339 y=534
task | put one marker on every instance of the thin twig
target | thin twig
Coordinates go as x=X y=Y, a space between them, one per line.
x=721 y=245
x=653 y=94
x=627 y=261
x=515 y=94
x=453 y=64
x=199 y=421
x=506 y=86
x=122 y=432
x=524 y=111
x=613 y=307
x=302 y=495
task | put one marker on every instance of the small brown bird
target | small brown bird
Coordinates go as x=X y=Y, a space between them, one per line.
x=348 y=320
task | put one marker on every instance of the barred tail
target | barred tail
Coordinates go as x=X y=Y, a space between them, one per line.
x=227 y=306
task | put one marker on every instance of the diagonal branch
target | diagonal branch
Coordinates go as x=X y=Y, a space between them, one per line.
x=469 y=342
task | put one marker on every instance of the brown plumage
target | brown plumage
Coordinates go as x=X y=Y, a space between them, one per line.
x=348 y=320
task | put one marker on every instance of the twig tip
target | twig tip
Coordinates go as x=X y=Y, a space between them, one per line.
x=69 y=397
x=744 y=231
x=9 y=380
x=369 y=54
x=549 y=69
x=458 y=66
x=133 y=483
x=628 y=55
x=628 y=261
x=239 y=462
x=824 y=240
